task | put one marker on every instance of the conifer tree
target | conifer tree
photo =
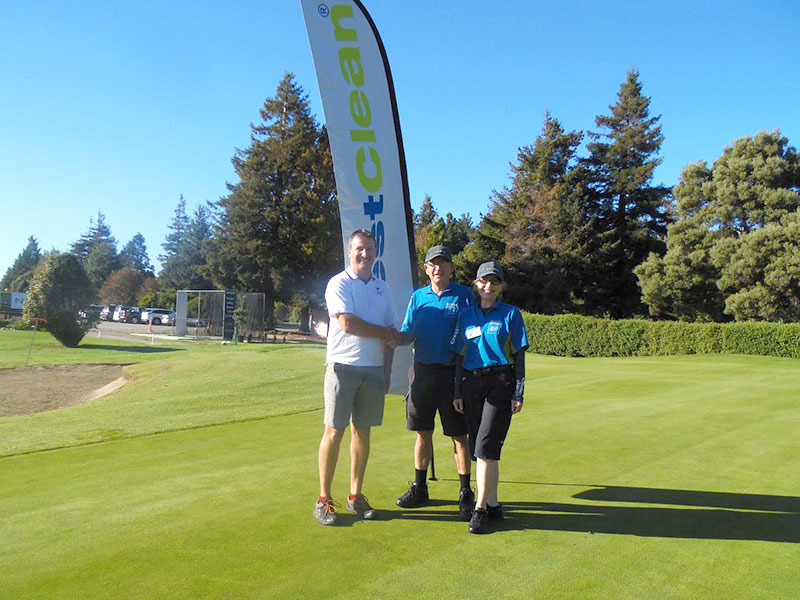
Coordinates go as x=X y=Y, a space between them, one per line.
x=134 y=255
x=18 y=276
x=186 y=246
x=278 y=228
x=628 y=215
x=99 y=233
x=100 y=263
x=733 y=250
x=177 y=231
x=533 y=223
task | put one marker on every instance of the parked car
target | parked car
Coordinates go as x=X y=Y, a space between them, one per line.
x=157 y=316
x=118 y=312
x=190 y=321
x=93 y=311
x=131 y=314
x=107 y=314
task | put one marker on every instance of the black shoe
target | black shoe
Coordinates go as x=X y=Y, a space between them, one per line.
x=466 y=502
x=417 y=495
x=479 y=523
x=495 y=512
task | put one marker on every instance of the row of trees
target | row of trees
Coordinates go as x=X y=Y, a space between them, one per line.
x=591 y=234
x=580 y=227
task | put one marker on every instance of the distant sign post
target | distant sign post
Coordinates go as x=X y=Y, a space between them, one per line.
x=227 y=319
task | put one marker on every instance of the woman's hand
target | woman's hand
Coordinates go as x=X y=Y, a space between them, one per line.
x=458 y=404
x=516 y=405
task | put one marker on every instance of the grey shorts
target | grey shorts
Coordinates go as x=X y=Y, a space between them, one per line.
x=354 y=394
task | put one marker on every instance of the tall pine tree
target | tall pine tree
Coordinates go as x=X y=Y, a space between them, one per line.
x=278 y=228
x=628 y=215
x=99 y=233
x=184 y=261
x=18 y=276
x=134 y=255
x=177 y=231
x=536 y=219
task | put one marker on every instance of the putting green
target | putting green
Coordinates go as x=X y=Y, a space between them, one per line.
x=668 y=477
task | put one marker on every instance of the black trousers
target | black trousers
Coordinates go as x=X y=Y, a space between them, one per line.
x=487 y=407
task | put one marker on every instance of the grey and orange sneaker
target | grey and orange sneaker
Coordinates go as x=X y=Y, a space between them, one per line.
x=325 y=512
x=360 y=506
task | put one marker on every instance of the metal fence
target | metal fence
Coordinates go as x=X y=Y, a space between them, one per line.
x=201 y=314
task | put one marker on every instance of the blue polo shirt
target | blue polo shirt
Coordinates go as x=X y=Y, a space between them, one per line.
x=432 y=319
x=490 y=339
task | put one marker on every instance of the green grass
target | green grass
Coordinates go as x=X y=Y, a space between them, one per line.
x=668 y=477
x=45 y=350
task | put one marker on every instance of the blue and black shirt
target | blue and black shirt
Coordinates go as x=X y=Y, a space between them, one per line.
x=432 y=320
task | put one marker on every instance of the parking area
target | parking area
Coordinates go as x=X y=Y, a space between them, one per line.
x=125 y=331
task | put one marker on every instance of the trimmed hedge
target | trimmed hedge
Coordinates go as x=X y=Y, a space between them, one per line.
x=574 y=335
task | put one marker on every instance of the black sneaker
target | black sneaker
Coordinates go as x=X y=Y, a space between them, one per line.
x=495 y=512
x=417 y=495
x=325 y=512
x=360 y=506
x=466 y=502
x=479 y=523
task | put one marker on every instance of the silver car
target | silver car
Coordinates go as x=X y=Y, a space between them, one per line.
x=157 y=316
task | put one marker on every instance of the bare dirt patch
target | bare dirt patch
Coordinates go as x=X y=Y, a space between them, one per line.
x=40 y=388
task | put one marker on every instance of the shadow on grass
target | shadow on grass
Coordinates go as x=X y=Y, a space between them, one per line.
x=713 y=516
x=345 y=519
x=139 y=349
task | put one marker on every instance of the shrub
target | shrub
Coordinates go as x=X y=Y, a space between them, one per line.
x=60 y=292
x=574 y=335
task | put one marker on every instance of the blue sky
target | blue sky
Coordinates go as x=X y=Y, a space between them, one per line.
x=121 y=107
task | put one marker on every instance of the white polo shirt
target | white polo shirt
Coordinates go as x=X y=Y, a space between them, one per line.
x=370 y=301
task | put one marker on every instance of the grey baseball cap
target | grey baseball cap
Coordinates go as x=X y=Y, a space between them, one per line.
x=490 y=268
x=438 y=251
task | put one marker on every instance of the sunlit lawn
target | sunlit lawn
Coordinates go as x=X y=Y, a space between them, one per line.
x=669 y=477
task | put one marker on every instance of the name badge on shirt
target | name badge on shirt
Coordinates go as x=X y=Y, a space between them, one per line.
x=472 y=332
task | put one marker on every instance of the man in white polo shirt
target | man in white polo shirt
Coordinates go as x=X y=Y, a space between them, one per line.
x=359 y=363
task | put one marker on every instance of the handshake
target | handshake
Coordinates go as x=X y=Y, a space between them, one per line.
x=394 y=338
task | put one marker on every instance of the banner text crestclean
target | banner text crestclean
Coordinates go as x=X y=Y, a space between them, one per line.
x=353 y=73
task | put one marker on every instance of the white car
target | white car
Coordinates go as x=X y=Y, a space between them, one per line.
x=157 y=316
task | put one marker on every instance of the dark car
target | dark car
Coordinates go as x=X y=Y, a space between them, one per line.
x=131 y=314
x=107 y=314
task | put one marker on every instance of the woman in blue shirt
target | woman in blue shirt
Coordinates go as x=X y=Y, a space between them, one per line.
x=489 y=343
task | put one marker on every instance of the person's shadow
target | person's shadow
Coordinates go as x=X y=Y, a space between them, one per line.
x=685 y=514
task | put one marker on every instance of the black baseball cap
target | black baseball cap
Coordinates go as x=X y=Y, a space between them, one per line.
x=490 y=268
x=437 y=252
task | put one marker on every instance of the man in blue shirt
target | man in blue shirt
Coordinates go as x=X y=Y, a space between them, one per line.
x=429 y=322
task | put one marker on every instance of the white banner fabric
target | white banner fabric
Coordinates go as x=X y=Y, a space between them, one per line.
x=364 y=131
